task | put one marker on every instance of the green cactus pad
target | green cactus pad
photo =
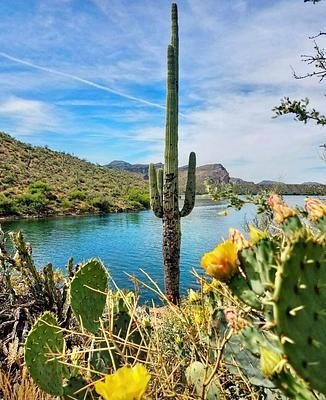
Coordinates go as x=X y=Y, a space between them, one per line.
x=300 y=309
x=241 y=289
x=86 y=300
x=74 y=390
x=243 y=351
x=292 y=387
x=259 y=265
x=43 y=342
x=196 y=374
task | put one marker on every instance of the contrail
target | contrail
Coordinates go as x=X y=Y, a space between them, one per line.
x=78 y=79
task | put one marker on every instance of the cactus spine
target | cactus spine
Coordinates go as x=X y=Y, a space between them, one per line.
x=164 y=184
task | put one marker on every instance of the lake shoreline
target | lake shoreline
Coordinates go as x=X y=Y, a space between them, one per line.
x=68 y=215
x=95 y=214
x=85 y=214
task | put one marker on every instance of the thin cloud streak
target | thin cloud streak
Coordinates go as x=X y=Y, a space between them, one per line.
x=82 y=80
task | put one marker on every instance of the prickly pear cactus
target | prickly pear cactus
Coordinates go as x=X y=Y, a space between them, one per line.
x=243 y=352
x=300 y=308
x=74 y=389
x=196 y=375
x=43 y=342
x=259 y=265
x=87 y=301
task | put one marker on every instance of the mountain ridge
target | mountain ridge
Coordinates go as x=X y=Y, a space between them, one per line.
x=215 y=173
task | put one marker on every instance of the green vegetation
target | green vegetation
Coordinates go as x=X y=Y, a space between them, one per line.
x=256 y=330
x=254 y=189
x=36 y=181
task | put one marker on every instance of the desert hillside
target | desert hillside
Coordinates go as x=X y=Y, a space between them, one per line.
x=37 y=181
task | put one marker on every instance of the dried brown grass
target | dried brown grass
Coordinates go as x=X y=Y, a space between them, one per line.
x=23 y=389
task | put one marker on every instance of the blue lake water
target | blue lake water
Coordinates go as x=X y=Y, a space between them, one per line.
x=126 y=242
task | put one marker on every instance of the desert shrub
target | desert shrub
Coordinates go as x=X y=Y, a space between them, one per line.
x=7 y=205
x=65 y=203
x=42 y=188
x=103 y=204
x=9 y=179
x=29 y=204
x=135 y=196
x=77 y=195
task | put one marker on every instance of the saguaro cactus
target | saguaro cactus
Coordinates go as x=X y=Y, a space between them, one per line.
x=164 y=191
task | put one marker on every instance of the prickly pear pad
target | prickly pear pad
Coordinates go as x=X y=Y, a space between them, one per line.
x=300 y=309
x=43 y=342
x=87 y=301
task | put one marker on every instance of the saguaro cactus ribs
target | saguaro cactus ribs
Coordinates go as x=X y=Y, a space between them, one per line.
x=164 y=184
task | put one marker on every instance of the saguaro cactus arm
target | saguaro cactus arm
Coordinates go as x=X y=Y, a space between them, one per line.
x=155 y=189
x=160 y=184
x=190 y=194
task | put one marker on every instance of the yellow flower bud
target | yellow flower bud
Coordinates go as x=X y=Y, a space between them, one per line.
x=199 y=317
x=280 y=209
x=193 y=296
x=270 y=362
x=315 y=208
x=256 y=234
x=275 y=200
x=238 y=239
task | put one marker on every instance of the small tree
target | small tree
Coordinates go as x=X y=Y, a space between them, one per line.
x=300 y=107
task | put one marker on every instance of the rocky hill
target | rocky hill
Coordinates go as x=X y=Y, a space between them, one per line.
x=39 y=181
x=141 y=169
x=215 y=173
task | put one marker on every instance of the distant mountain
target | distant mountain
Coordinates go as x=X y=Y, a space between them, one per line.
x=141 y=169
x=268 y=182
x=216 y=173
x=239 y=181
x=40 y=181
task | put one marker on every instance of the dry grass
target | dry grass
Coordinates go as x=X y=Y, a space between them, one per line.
x=171 y=338
x=23 y=389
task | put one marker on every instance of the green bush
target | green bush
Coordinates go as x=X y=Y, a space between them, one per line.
x=135 y=195
x=66 y=204
x=42 y=188
x=103 y=204
x=7 y=206
x=9 y=179
x=77 y=195
x=29 y=204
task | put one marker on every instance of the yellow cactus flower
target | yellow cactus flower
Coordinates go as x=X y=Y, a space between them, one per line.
x=238 y=239
x=256 y=234
x=270 y=362
x=280 y=209
x=126 y=384
x=221 y=263
x=193 y=296
x=315 y=208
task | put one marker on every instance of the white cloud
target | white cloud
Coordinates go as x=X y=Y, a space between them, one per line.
x=235 y=62
x=29 y=116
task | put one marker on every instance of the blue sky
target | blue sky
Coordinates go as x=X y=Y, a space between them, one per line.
x=100 y=91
